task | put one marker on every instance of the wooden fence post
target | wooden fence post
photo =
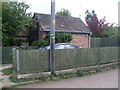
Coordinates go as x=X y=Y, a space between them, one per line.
x=16 y=63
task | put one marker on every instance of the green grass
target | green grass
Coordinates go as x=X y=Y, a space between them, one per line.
x=7 y=71
x=1 y=79
x=6 y=88
x=16 y=80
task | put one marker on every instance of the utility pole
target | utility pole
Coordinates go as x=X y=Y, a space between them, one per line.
x=52 y=38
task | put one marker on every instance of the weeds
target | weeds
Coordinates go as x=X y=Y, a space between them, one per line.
x=57 y=77
x=79 y=73
x=43 y=78
x=16 y=80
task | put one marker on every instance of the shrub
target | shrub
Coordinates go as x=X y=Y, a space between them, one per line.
x=60 y=37
x=40 y=43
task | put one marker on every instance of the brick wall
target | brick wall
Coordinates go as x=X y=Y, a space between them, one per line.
x=80 y=40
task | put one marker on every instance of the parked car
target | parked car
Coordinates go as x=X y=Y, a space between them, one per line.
x=62 y=46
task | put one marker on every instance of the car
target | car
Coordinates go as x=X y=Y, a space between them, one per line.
x=62 y=46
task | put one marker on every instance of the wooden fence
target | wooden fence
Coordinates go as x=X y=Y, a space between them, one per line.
x=7 y=53
x=105 y=42
x=33 y=61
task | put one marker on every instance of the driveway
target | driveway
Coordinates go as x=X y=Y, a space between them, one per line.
x=106 y=79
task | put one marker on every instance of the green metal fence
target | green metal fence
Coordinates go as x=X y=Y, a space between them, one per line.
x=105 y=42
x=33 y=61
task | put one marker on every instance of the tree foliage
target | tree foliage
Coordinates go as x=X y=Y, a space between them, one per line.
x=14 y=20
x=63 y=12
x=97 y=26
x=112 y=31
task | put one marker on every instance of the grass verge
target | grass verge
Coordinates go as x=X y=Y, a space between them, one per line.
x=7 y=71
x=1 y=79
x=79 y=73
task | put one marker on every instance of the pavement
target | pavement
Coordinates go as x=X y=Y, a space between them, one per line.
x=5 y=82
x=5 y=66
x=106 y=79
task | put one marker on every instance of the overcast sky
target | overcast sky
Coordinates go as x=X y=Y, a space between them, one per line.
x=107 y=8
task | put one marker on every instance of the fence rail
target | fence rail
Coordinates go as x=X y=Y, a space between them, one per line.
x=105 y=42
x=33 y=61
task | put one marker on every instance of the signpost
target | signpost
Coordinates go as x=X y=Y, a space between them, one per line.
x=52 y=38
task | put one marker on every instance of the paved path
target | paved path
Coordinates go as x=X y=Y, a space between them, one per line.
x=4 y=66
x=5 y=81
x=107 y=79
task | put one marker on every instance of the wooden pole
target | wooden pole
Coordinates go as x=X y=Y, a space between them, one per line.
x=52 y=38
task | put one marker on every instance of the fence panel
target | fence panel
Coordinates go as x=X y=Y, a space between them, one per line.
x=33 y=61
x=64 y=59
x=108 y=54
x=105 y=42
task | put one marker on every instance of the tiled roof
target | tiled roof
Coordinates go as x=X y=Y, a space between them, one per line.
x=63 y=23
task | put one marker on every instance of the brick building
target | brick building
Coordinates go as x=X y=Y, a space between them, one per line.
x=64 y=24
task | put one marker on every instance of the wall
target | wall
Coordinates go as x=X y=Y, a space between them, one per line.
x=80 y=40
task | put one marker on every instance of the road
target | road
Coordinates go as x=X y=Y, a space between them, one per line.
x=106 y=79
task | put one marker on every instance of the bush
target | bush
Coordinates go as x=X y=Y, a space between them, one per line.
x=60 y=37
x=112 y=31
x=10 y=41
x=40 y=43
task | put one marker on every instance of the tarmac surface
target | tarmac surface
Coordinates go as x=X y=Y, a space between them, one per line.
x=106 y=79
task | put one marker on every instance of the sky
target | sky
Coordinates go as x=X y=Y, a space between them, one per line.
x=77 y=8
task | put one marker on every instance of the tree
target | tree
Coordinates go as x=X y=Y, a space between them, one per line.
x=14 y=20
x=63 y=12
x=97 y=26
x=112 y=31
